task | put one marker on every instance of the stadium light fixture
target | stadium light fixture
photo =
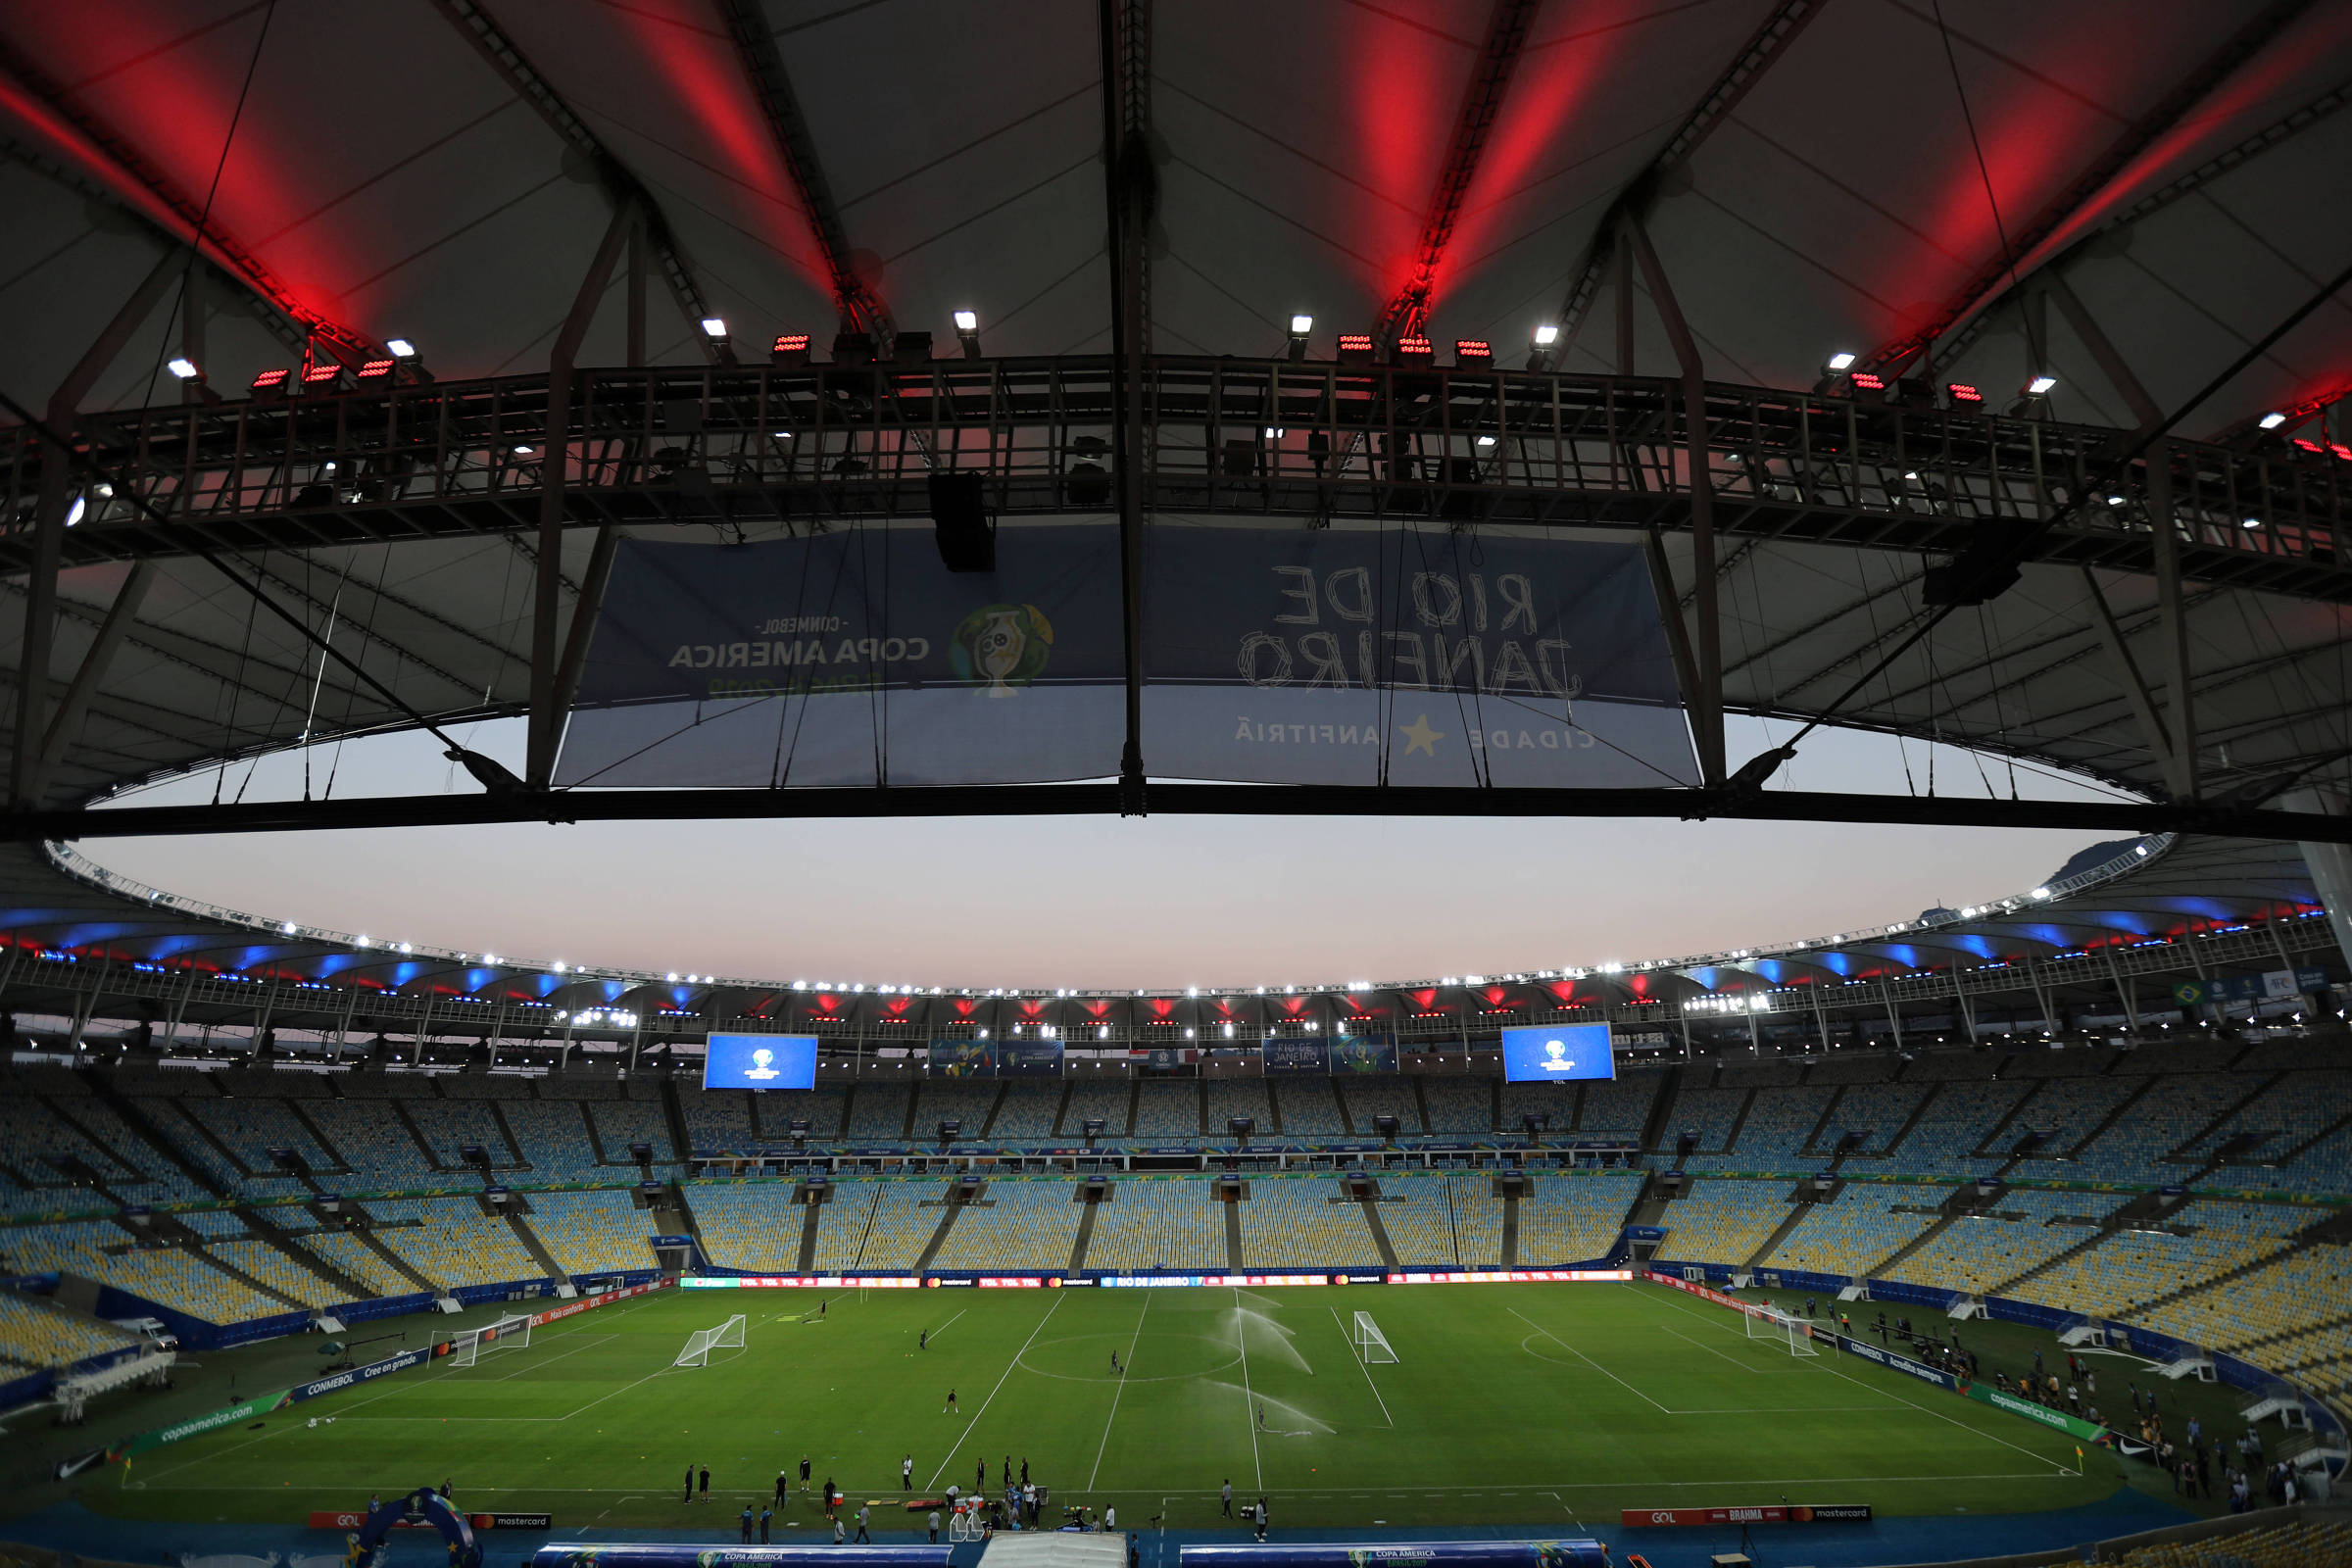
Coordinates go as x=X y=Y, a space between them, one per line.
x=2250 y=523
x=73 y=512
x=714 y=327
x=1838 y=364
x=2273 y=420
x=789 y=348
x=2042 y=386
x=400 y=348
x=1301 y=325
x=184 y=369
x=967 y=333
x=1545 y=335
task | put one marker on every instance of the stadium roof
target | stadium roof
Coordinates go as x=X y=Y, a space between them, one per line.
x=2122 y=196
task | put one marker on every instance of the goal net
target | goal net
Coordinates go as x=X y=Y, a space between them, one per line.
x=1370 y=1344
x=1770 y=1323
x=469 y=1345
x=728 y=1336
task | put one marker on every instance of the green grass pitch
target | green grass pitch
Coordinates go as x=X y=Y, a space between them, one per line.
x=1546 y=1406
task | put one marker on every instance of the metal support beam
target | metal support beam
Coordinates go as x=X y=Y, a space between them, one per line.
x=64 y=728
x=2171 y=622
x=1507 y=25
x=49 y=529
x=1706 y=700
x=2110 y=360
x=1130 y=195
x=621 y=186
x=1993 y=277
x=1765 y=45
x=2330 y=864
x=546 y=720
x=584 y=611
x=2135 y=689
x=861 y=307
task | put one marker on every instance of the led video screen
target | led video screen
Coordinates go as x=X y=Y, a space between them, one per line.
x=1563 y=1054
x=760 y=1062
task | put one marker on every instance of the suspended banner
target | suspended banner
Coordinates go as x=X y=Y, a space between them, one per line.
x=962 y=1058
x=1407 y=655
x=1028 y=1059
x=1296 y=1058
x=853 y=659
x=1363 y=1054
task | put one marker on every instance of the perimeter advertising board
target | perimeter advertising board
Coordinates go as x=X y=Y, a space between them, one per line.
x=1403 y=655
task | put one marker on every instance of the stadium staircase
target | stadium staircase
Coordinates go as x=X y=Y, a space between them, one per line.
x=498 y=1114
x=2122 y=1109
x=1747 y=1103
x=424 y=1145
x=1380 y=1232
x=266 y=1229
x=1661 y=1109
x=102 y=1086
x=674 y=1114
x=317 y=1135
x=531 y=1244
x=2091 y=1238
x=1420 y=1102
x=1958 y=1204
x=2181 y=1155
x=1233 y=1237
x=1086 y=1234
x=1346 y=1117
x=1510 y=1229
x=1811 y=1148
x=947 y=1222
x=1061 y=1107
x=996 y=1107
x=1648 y=1207
x=1134 y=1103
x=250 y=1282
x=1797 y=1214
x=805 y=1261
x=394 y=1261
x=1990 y=1144
x=1918 y=1114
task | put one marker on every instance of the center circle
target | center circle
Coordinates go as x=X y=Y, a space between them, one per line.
x=1162 y=1358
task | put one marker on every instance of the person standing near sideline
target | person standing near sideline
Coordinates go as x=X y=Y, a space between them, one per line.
x=907 y=1473
x=703 y=1491
x=765 y=1515
x=783 y=1486
x=1024 y=1467
x=1110 y=1520
x=922 y=1341
x=804 y=1472
x=935 y=1527
x=1261 y=1516
x=865 y=1512
x=980 y=1475
x=1228 y=1496
x=747 y=1524
x=838 y=1531
x=689 y=1498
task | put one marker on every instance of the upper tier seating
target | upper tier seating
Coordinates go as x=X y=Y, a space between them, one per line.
x=1856 y=1067
x=1371 y=1097
x=1015 y=1225
x=1779 y=1121
x=2130 y=1267
x=622 y=1122
x=1228 y=1098
x=1960 y=1118
x=376 y=1144
x=963 y=1100
x=1027 y=1112
x=1859 y=1230
x=592 y=1233
x=1574 y=1216
x=1309 y=1108
x=1168 y=1112
x=1107 y=1100
x=1553 y=1104
x=2291 y=1110
x=2170 y=1113
x=251 y=1128
x=753 y=1226
x=1708 y=1112
x=1620 y=1108
x=36 y=1334
x=448 y=1126
x=1878 y=1111
x=1459 y=1106
x=1305 y=1222
x=718 y=1122
x=552 y=1137
x=1761 y=1072
x=1158 y=1222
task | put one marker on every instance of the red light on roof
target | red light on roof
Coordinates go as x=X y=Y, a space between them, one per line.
x=2309 y=446
x=1355 y=343
x=790 y=342
x=1868 y=381
x=2342 y=451
x=269 y=379
x=1962 y=392
x=377 y=370
x=1414 y=348
x=1473 y=348
x=321 y=374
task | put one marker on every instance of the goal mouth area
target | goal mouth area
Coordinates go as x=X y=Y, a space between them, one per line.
x=728 y=1336
x=1371 y=1346
x=469 y=1345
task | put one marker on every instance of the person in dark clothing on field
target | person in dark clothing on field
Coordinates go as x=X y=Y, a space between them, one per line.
x=747 y=1524
x=922 y=1341
x=980 y=1475
x=689 y=1498
x=704 y=1490
x=783 y=1486
x=765 y=1515
x=831 y=1496
x=1009 y=1470
x=1228 y=1497
x=1024 y=1469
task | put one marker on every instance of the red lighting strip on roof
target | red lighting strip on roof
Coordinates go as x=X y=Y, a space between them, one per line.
x=1962 y=392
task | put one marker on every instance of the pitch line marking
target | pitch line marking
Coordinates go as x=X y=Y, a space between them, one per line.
x=1120 y=1389
x=1058 y=1297
x=533 y=1366
x=1753 y=1371
x=2054 y=1465
x=1587 y=1360
x=1359 y=1361
x=943 y=1327
x=1240 y=1337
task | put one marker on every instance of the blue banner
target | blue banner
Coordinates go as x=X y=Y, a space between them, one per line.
x=697 y=1554
x=1295 y=1059
x=1022 y=1059
x=1353 y=1054
x=853 y=658
x=1408 y=655
x=1569 y=1553
x=760 y=1062
x=1887 y=1358
x=962 y=1058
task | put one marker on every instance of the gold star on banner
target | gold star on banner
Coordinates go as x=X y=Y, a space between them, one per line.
x=1419 y=737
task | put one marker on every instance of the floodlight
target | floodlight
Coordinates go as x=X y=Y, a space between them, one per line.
x=400 y=348
x=2040 y=386
x=2273 y=420
x=714 y=327
x=184 y=367
x=2250 y=523
x=1839 y=364
x=1547 y=335
x=967 y=331
x=967 y=320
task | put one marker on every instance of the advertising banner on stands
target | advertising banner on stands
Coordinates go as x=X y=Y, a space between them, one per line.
x=1294 y=1058
x=1793 y=1514
x=1028 y=1058
x=1887 y=1358
x=1407 y=654
x=1352 y=1053
x=2058 y=1420
x=1571 y=1552
x=964 y=1058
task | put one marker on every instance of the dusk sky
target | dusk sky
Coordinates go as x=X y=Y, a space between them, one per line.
x=1085 y=902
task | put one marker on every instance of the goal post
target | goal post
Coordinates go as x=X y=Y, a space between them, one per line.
x=1371 y=1346
x=469 y=1345
x=728 y=1336
x=1781 y=1329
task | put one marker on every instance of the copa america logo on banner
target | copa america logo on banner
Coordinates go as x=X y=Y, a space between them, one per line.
x=1005 y=645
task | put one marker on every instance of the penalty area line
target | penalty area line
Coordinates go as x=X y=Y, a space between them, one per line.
x=1357 y=1357
x=1587 y=1360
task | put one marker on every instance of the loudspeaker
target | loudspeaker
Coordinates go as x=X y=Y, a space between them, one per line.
x=967 y=538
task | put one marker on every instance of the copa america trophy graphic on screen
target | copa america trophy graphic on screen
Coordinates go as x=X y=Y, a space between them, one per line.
x=1555 y=1057
x=760 y=1067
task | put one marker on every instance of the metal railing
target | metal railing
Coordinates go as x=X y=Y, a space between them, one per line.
x=796 y=445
